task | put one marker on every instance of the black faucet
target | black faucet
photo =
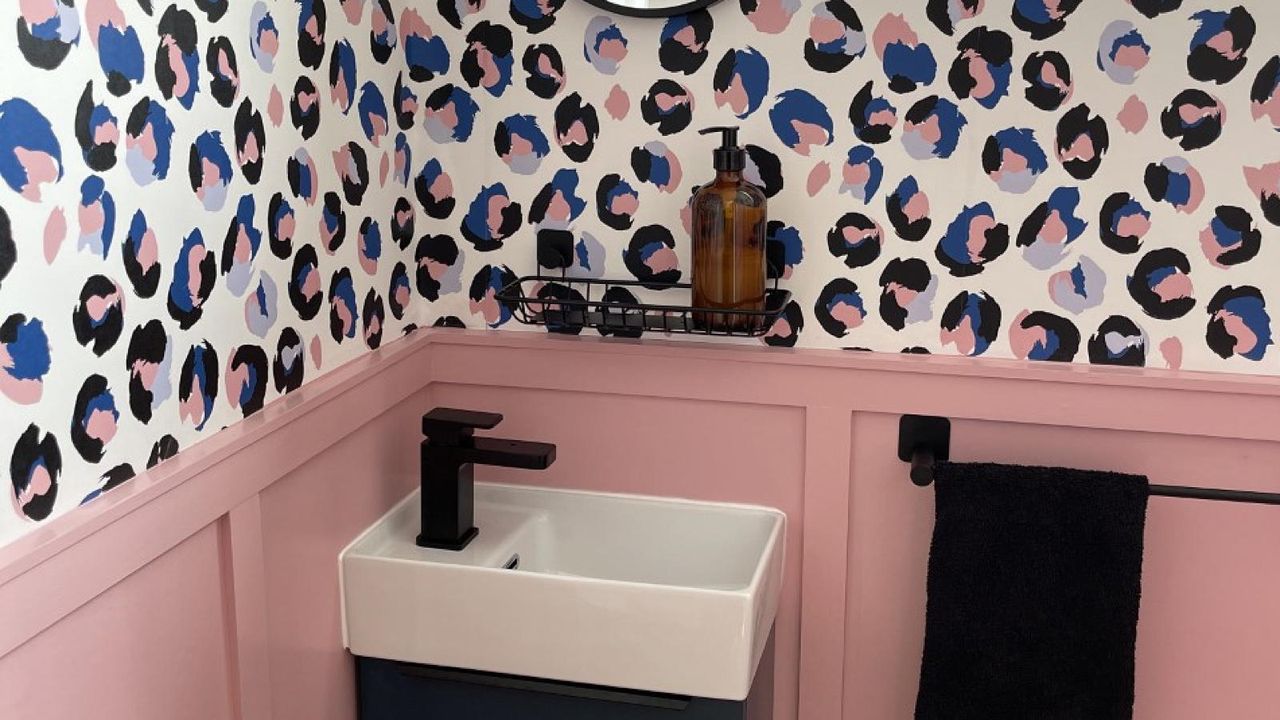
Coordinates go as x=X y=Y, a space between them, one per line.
x=449 y=455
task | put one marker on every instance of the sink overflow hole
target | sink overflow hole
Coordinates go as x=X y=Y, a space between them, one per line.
x=513 y=563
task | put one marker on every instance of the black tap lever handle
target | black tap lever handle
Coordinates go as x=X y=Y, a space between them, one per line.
x=450 y=426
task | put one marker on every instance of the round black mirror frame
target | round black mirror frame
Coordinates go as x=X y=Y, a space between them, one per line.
x=682 y=9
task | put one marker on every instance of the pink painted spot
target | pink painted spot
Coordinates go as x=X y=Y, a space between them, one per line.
x=102 y=13
x=962 y=337
x=978 y=229
x=848 y=315
x=338 y=93
x=311 y=285
x=808 y=135
x=822 y=29
x=145 y=142
x=236 y=379
x=687 y=37
x=194 y=275
x=497 y=204
x=677 y=174
x=1023 y=340
x=1054 y=229
x=39 y=483
x=182 y=81
x=435 y=268
x=487 y=307
x=1080 y=149
x=662 y=260
x=548 y=69
x=41 y=169
x=667 y=102
x=886 y=118
x=269 y=42
x=613 y=49
x=353 y=9
x=1191 y=114
x=1263 y=180
x=250 y=153
x=106 y=133
x=857 y=174
x=92 y=218
x=735 y=96
x=446 y=116
x=316 y=351
x=780 y=328
x=1133 y=225
x=1177 y=285
x=1196 y=195
x=225 y=69
x=1235 y=326
x=1011 y=162
x=917 y=207
x=1132 y=56
x=1049 y=76
x=442 y=186
x=893 y=29
x=904 y=296
x=192 y=409
x=492 y=74
x=558 y=208
x=384 y=168
x=770 y=16
x=1171 y=350
x=411 y=23
x=286 y=227
x=210 y=177
x=1224 y=43
x=55 y=231
x=624 y=204
x=36 y=12
x=146 y=372
x=984 y=83
x=818 y=178
x=1133 y=116
x=929 y=130
x=99 y=305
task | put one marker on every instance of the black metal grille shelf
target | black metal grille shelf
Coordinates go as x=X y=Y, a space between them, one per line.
x=569 y=305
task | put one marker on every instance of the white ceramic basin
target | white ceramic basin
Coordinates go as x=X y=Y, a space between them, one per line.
x=626 y=591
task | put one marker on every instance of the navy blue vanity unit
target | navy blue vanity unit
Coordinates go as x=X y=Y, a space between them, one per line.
x=392 y=690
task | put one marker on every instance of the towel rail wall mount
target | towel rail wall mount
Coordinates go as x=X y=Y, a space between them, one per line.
x=926 y=439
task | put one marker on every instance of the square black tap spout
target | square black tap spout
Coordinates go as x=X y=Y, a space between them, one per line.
x=449 y=455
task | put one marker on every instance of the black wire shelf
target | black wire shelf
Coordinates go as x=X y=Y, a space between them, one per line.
x=570 y=305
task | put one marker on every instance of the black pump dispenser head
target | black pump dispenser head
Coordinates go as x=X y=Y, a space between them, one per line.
x=729 y=157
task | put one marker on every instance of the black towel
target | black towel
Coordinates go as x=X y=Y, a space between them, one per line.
x=1034 y=578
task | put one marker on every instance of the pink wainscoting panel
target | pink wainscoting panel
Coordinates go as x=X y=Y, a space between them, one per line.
x=889 y=524
x=825 y=553
x=211 y=582
x=308 y=516
x=152 y=647
x=666 y=446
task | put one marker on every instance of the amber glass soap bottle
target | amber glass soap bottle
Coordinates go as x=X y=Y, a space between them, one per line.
x=728 y=242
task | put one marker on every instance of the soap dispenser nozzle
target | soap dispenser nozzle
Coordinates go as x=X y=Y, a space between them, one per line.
x=729 y=157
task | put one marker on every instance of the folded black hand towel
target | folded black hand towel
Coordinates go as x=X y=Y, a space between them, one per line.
x=1034 y=578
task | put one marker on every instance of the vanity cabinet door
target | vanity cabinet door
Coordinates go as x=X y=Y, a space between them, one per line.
x=389 y=690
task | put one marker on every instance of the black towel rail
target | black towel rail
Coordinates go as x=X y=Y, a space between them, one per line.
x=924 y=440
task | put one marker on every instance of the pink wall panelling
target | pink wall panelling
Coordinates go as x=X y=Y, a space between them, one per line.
x=239 y=536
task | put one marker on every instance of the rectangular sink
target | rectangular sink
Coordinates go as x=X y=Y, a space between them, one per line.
x=653 y=594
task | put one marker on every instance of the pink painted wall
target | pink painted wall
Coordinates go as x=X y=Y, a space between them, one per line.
x=210 y=590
